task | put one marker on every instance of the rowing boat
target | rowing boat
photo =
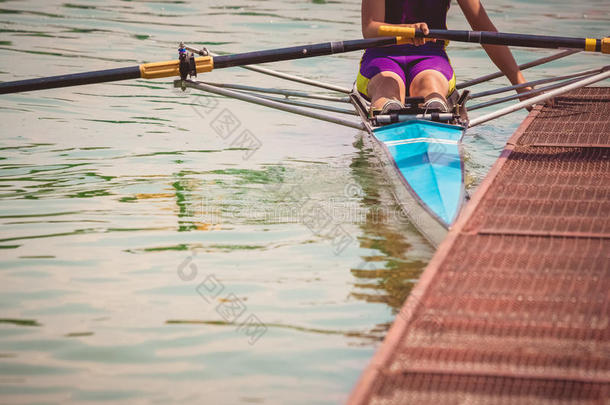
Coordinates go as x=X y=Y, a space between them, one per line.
x=420 y=149
x=423 y=160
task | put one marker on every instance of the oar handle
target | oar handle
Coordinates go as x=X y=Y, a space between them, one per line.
x=396 y=31
x=406 y=34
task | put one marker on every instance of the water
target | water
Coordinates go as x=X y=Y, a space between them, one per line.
x=139 y=249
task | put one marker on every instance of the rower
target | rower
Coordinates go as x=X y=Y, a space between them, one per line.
x=421 y=68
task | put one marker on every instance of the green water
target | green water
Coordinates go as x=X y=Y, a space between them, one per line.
x=146 y=259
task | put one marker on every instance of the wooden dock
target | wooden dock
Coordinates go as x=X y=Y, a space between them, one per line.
x=514 y=307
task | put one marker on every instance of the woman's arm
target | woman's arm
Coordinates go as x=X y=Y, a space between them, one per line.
x=500 y=55
x=373 y=16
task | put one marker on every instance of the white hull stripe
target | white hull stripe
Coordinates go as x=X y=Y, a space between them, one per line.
x=420 y=140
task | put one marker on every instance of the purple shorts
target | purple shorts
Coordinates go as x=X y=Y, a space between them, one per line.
x=406 y=61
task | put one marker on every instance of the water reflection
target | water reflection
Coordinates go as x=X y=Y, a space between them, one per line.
x=388 y=275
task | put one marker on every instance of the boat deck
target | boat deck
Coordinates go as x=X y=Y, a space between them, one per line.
x=515 y=305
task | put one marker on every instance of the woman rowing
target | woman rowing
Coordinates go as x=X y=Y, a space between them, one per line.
x=422 y=69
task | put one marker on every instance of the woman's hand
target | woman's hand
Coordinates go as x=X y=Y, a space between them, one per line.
x=525 y=97
x=424 y=28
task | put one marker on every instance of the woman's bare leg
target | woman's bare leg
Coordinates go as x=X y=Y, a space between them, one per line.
x=427 y=82
x=386 y=86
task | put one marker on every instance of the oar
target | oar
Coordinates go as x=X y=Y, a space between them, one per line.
x=405 y=34
x=199 y=64
x=395 y=35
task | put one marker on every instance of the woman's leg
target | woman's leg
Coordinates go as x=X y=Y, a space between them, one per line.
x=381 y=79
x=427 y=82
x=433 y=86
x=385 y=86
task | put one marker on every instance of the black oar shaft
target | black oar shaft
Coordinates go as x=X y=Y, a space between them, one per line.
x=98 y=76
x=203 y=64
x=499 y=38
x=299 y=52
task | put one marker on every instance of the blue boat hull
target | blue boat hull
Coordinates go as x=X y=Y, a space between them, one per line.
x=428 y=157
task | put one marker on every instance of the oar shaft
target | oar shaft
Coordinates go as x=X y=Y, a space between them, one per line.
x=98 y=76
x=154 y=70
x=532 y=41
x=203 y=64
x=501 y=38
x=299 y=52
